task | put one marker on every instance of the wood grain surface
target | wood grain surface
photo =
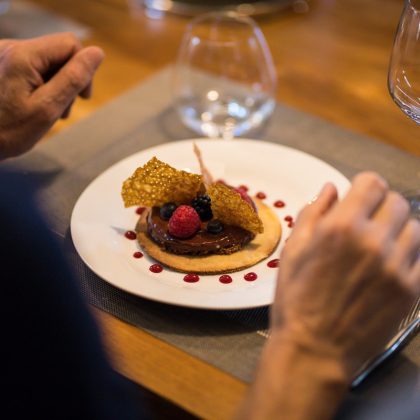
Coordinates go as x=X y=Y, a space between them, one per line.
x=331 y=61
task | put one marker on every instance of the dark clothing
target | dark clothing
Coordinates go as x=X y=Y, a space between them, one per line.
x=54 y=366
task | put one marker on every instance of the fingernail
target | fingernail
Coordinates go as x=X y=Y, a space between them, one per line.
x=313 y=200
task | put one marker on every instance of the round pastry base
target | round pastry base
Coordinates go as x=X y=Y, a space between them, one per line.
x=261 y=247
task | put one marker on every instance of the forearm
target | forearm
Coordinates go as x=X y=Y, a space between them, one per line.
x=294 y=383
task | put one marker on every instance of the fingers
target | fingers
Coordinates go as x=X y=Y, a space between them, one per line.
x=413 y=279
x=366 y=194
x=51 y=50
x=86 y=93
x=319 y=206
x=67 y=111
x=392 y=215
x=72 y=79
x=407 y=255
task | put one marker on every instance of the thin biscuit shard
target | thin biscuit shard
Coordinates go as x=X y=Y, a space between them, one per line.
x=157 y=183
x=229 y=207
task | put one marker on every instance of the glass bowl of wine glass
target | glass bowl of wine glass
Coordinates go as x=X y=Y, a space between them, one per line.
x=404 y=75
x=404 y=68
x=224 y=80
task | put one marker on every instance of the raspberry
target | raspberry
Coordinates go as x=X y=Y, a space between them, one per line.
x=184 y=222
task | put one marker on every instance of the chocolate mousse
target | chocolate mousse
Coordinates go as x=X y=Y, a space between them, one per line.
x=231 y=239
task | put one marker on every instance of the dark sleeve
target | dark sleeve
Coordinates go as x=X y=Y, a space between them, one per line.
x=53 y=361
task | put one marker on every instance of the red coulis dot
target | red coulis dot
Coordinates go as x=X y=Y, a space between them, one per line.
x=137 y=254
x=250 y=276
x=279 y=204
x=225 y=279
x=288 y=219
x=140 y=210
x=191 y=278
x=290 y=224
x=156 y=268
x=130 y=235
x=243 y=188
x=273 y=263
x=261 y=195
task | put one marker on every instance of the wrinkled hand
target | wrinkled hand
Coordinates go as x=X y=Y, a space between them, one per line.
x=349 y=272
x=39 y=80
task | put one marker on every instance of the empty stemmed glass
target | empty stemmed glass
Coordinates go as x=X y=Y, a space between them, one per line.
x=224 y=82
x=404 y=74
x=404 y=87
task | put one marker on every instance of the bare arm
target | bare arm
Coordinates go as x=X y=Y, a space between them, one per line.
x=347 y=275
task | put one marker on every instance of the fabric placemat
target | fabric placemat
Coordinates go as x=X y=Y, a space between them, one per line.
x=22 y=20
x=144 y=117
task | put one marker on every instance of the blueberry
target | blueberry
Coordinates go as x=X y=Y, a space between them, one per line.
x=215 y=226
x=167 y=210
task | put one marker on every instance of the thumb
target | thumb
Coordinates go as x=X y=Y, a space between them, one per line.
x=72 y=78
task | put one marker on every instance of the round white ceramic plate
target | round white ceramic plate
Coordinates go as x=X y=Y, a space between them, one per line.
x=99 y=219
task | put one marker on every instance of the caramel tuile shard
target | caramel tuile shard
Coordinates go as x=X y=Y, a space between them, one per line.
x=157 y=183
x=228 y=206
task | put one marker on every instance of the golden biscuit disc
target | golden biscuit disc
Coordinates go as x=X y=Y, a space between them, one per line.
x=261 y=247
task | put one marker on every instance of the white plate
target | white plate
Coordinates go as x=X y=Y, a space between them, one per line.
x=99 y=219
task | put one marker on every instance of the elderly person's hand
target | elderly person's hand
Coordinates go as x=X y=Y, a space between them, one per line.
x=349 y=272
x=39 y=80
x=347 y=275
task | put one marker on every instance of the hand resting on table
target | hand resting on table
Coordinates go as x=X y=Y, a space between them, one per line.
x=39 y=80
x=347 y=275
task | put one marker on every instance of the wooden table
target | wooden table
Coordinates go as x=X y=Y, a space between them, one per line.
x=331 y=62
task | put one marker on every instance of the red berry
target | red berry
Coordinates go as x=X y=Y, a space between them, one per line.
x=184 y=222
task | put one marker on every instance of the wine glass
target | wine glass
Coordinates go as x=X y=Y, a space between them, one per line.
x=225 y=80
x=404 y=74
x=404 y=68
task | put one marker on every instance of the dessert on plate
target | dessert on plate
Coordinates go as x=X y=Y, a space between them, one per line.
x=195 y=225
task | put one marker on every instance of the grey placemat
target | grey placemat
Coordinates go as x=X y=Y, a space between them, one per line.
x=143 y=117
x=23 y=20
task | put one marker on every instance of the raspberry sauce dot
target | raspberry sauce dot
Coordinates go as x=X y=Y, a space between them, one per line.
x=273 y=263
x=191 y=278
x=279 y=204
x=250 y=276
x=243 y=188
x=140 y=210
x=291 y=224
x=261 y=195
x=225 y=279
x=138 y=254
x=130 y=235
x=288 y=219
x=156 y=268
